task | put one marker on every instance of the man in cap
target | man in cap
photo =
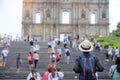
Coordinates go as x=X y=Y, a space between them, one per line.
x=87 y=64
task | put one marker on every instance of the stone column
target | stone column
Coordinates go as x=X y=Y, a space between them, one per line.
x=44 y=32
x=23 y=34
x=51 y=31
x=57 y=33
x=79 y=32
x=73 y=30
x=30 y=36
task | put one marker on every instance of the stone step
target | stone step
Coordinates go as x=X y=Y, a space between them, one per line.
x=9 y=72
x=23 y=74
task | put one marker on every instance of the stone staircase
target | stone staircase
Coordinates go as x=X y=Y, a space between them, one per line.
x=9 y=72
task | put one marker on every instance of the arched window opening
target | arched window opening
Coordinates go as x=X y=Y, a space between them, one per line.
x=92 y=18
x=65 y=17
x=38 y=18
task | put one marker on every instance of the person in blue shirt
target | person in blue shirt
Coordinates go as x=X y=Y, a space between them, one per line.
x=114 y=70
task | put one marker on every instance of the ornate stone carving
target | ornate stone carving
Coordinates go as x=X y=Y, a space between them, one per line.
x=50 y=16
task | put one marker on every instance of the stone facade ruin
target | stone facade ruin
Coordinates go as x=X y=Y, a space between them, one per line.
x=44 y=19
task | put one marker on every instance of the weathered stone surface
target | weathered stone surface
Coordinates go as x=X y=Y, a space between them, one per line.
x=89 y=17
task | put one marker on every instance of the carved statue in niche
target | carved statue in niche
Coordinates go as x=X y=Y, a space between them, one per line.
x=48 y=15
x=27 y=13
x=103 y=15
x=83 y=14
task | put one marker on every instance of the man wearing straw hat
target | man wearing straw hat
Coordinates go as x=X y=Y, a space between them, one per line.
x=87 y=64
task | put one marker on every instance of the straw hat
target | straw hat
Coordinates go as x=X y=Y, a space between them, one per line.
x=86 y=46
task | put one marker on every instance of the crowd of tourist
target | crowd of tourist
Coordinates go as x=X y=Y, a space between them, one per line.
x=53 y=72
x=58 y=52
x=5 y=49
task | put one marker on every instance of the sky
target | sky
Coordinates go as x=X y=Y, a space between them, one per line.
x=11 y=16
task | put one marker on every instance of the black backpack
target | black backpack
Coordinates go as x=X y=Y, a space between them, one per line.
x=68 y=53
x=32 y=78
x=53 y=58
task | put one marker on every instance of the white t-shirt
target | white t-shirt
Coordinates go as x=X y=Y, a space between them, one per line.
x=57 y=76
x=59 y=51
x=5 y=52
x=50 y=43
x=36 y=56
x=67 y=50
x=53 y=44
x=38 y=76
x=36 y=47
x=117 y=51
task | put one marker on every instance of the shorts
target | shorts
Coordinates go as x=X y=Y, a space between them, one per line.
x=4 y=58
x=18 y=64
x=49 y=46
x=67 y=57
x=30 y=62
x=58 y=43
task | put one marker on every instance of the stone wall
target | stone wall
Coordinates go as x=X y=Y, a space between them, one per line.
x=50 y=18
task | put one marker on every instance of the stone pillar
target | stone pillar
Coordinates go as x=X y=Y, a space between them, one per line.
x=79 y=32
x=23 y=31
x=51 y=31
x=57 y=33
x=30 y=36
x=44 y=32
x=73 y=30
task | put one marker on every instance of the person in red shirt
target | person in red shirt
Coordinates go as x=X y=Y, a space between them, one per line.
x=30 y=60
x=46 y=73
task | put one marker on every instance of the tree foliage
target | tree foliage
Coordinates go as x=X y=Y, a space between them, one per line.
x=117 y=31
x=118 y=27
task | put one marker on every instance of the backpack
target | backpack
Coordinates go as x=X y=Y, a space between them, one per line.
x=57 y=57
x=68 y=53
x=53 y=59
x=88 y=67
x=58 y=76
x=32 y=78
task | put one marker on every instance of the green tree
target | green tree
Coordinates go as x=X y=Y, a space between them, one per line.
x=118 y=26
x=117 y=31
